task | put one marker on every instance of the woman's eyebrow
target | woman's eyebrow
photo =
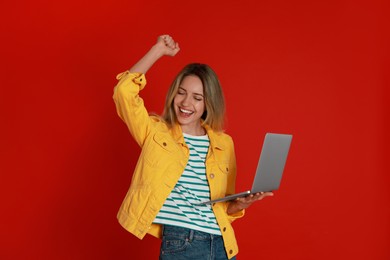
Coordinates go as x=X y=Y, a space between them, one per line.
x=199 y=94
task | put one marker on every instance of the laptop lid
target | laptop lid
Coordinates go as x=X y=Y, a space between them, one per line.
x=270 y=166
x=271 y=162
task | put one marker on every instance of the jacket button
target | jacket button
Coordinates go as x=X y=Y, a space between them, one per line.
x=227 y=169
x=224 y=229
x=230 y=251
x=212 y=176
x=164 y=143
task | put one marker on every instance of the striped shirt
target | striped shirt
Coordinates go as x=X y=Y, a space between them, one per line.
x=180 y=208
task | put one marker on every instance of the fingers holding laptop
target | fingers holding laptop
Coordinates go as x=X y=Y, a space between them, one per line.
x=262 y=195
x=245 y=202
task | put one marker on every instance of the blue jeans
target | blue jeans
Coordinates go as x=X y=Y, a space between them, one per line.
x=185 y=244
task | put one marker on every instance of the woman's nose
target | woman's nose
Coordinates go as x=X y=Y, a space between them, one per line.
x=186 y=100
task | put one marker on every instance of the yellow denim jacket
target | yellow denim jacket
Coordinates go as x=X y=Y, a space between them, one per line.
x=163 y=158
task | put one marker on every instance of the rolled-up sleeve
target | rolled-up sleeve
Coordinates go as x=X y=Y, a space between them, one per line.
x=130 y=106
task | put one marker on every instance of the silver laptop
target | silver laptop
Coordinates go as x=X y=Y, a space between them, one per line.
x=269 y=168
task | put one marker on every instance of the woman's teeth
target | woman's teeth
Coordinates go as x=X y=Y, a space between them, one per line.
x=186 y=111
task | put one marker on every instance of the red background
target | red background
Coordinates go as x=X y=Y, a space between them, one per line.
x=316 y=69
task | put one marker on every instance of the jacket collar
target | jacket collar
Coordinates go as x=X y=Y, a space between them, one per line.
x=215 y=141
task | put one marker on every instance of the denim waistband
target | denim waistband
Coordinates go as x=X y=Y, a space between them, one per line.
x=186 y=233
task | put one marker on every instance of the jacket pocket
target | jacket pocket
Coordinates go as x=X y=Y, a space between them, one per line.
x=222 y=174
x=165 y=142
x=160 y=150
x=224 y=167
x=135 y=201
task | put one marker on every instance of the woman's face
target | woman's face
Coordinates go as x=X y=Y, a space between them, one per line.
x=189 y=105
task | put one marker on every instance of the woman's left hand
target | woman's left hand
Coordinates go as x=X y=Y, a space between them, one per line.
x=244 y=202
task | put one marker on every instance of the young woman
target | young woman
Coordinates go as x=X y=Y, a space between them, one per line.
x=186 y=158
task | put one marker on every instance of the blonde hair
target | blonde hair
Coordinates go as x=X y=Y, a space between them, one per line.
x=214 y=114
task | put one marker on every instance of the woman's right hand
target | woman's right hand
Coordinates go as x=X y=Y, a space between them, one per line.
x=167 y=45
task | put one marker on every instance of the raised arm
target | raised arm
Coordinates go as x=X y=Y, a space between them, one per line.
x=165 y=46
x=129 y=105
